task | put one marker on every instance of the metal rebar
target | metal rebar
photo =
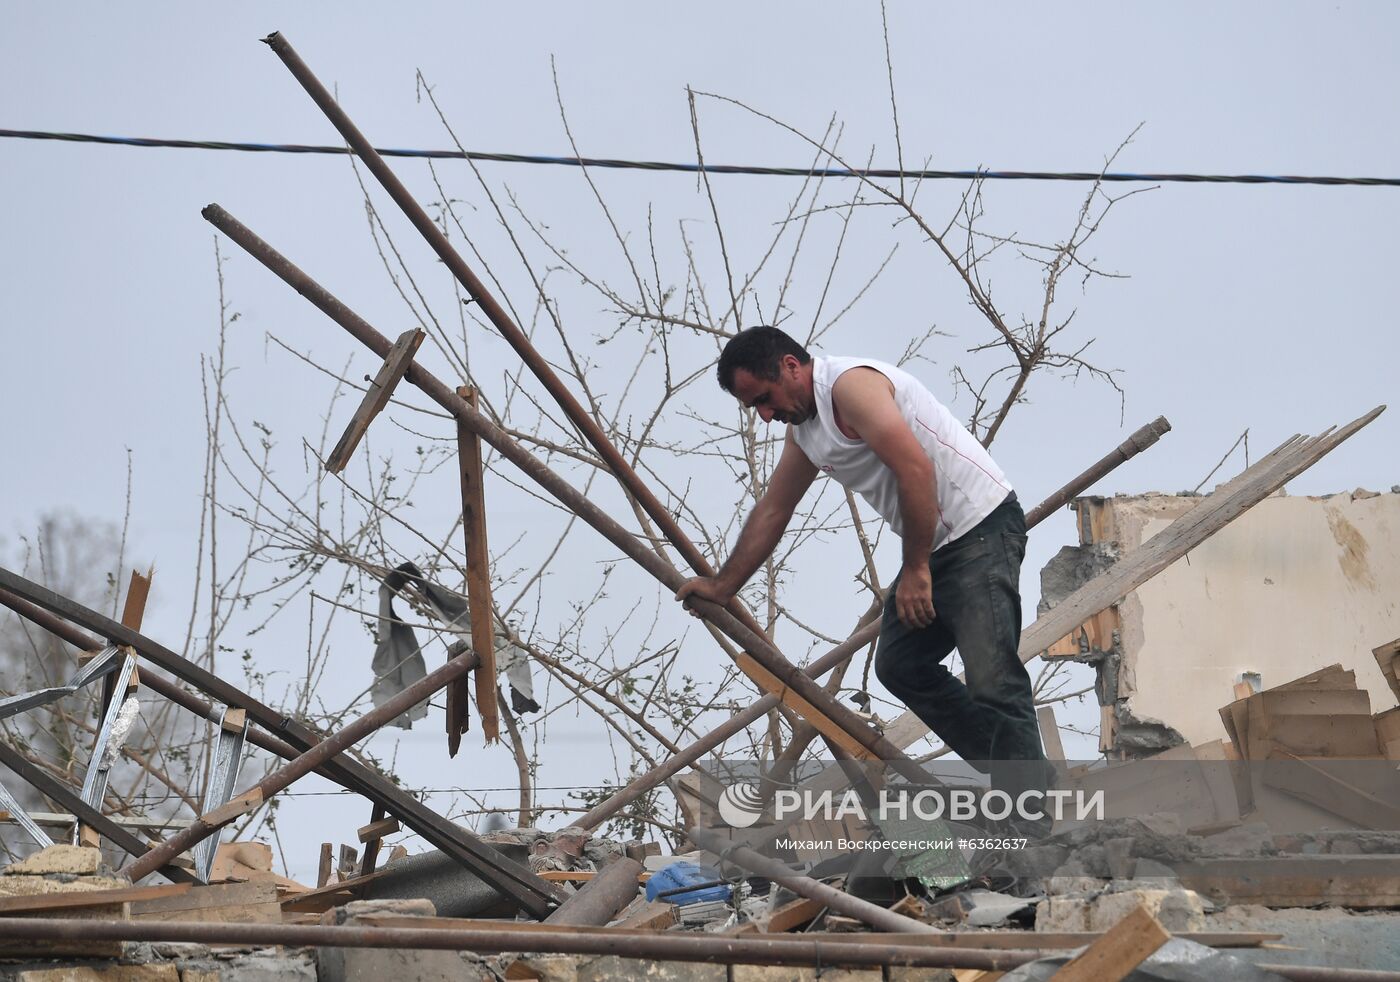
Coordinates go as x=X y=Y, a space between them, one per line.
x=1141 y=439
x=334 y=744
x=759 y=647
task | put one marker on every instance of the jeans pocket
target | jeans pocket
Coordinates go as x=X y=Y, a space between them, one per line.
x=1015 y=546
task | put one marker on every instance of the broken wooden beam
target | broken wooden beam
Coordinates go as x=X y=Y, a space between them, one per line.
x=396 y=362
x=1118 y=952
x=472 y=477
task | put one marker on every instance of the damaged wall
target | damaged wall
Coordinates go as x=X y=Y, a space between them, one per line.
x=1293 y=584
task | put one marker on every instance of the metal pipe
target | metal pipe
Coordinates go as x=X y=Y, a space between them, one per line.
x=1141 y=439
x=678 y=946
x=514 y=880
x=336 y=743
x=795 y=949
x=804 y=886
x=599 y=900
x=759 y=647
x=518 y=340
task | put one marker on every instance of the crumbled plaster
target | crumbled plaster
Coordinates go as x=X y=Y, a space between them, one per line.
x=1292 y=585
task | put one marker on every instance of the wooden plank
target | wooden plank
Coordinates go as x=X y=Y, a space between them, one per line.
x=478 y=586
x=1340 y=735
x=88 y=898
x=349 y=861
x=1317 y=786
x=793 y=914
x=372 y=836
x=1121 y=949
x=1387 y=732
x=137 y=590
x=376 y=398
x=234 y=720
x=1331 y=677
x=1297 y=881
x=1108 y=728
x=331 y=895
x=323 y=871
x=1095 y=634
x=567 y=875
x=233 y=903
x=1050 y=734
x=651 y=915
x=378 y=829
x=1306 y=702
x=1388 y=658
x=822 y=723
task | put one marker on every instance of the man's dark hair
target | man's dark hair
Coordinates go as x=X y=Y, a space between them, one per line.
x=757 y=350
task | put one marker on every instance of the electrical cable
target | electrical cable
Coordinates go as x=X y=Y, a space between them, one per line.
x=653 y=165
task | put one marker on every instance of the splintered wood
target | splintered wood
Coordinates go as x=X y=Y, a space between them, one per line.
x=376 y=398
x=478 y=592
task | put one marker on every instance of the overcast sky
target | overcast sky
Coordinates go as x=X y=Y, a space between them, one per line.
x=1261 y=307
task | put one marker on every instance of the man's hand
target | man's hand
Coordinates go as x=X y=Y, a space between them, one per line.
x=913 y=598
x=706 y=588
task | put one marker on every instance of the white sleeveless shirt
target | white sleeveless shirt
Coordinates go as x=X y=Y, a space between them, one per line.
x=969 y=483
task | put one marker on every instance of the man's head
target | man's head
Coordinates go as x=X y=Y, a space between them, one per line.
x=768 y=371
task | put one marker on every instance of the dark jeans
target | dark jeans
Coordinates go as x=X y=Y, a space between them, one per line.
x=976 y=595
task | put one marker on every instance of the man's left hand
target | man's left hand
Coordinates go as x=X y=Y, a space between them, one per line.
x=913 y=598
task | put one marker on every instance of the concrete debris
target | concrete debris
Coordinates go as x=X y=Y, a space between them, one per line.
x=1176 y=961
x=77 y=860
x=976 y=908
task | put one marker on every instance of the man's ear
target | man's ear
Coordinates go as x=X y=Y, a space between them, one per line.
x=791 y=365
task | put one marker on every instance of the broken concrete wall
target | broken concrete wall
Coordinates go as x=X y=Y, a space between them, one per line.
x=1293 y=584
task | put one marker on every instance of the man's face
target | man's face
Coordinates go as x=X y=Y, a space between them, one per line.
x=787 y=399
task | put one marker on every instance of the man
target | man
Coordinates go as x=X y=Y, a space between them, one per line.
x=879 y=432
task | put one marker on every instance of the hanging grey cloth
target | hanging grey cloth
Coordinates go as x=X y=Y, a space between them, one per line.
x=453 y=610
x=398 y=660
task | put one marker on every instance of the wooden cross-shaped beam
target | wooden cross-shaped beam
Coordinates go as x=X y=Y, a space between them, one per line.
x=376 y=398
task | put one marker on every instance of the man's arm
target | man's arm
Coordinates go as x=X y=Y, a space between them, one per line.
x=766 y=523
x=864 y=400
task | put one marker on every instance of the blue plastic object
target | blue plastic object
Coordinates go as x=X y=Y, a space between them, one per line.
x=683 y=874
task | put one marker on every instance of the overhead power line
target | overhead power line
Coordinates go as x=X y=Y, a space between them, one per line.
x=655 y=165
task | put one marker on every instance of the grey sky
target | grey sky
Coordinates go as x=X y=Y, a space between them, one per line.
x=1266 y=307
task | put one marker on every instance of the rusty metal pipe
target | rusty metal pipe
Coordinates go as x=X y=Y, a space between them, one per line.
x=796 y=949
x=626 y=944
x=759 y=647
x=333 y=745
x=599 y=900
x=1141 y=439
